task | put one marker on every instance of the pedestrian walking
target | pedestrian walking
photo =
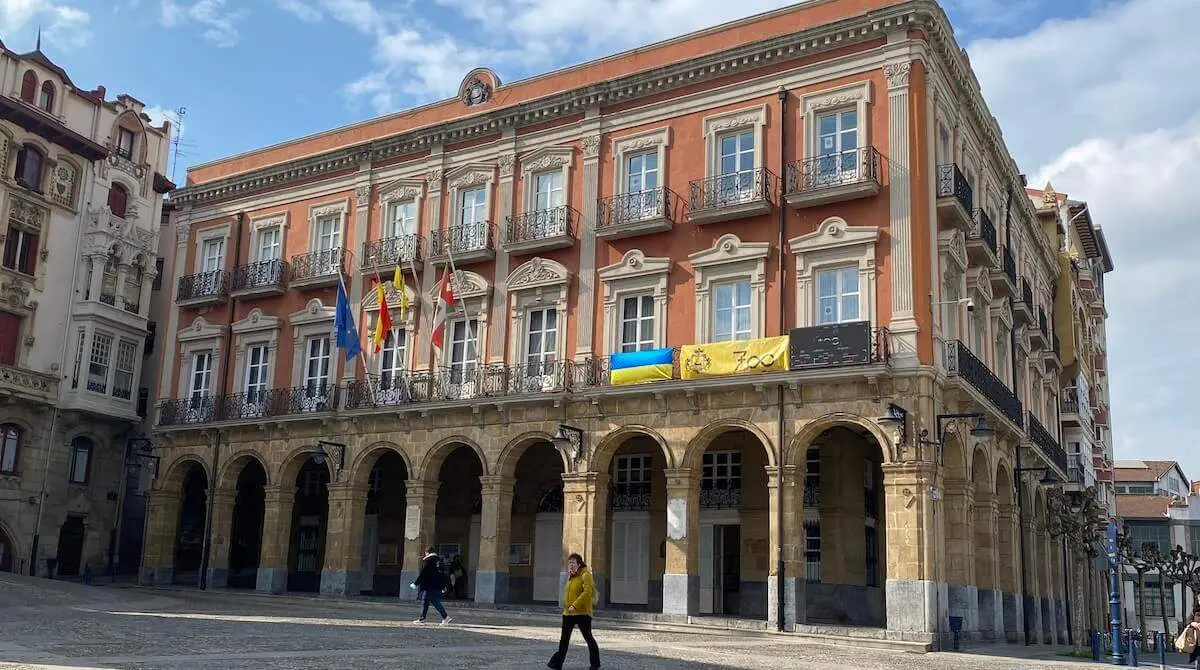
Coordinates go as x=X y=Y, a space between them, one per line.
x=578 y=598
x=431 y=580
x=1194 y=625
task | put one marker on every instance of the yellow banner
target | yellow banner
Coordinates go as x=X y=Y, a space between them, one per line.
x=721 y=359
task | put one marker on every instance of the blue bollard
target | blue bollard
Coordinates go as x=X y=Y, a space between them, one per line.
x=956 y=624
x=1096 y=646
x=1161 y=641
x=1132 y=645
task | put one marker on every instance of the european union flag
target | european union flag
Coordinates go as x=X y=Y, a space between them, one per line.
x=343 y=324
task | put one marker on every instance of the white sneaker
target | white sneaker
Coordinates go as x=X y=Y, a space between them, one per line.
x=419 y=621
x=445 y=621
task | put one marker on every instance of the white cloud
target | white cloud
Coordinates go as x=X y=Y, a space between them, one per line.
x=63 y=26
x=158 y=114
x=215 y=20
x=302 y=10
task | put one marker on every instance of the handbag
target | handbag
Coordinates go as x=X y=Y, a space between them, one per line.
x=1186 y=642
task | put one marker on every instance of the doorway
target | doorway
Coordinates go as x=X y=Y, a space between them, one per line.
x=70 y=547
x=630 y=558
x=720 y=568
x=308 y=527
x=547 y=555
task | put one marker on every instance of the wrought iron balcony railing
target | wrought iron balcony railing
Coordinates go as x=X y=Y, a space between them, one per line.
x=729 y=190
x=984 y=230
x=630 y=497
x=311 y=399
x=317 y=265
x=961 y=362
x=1047 y=443
x=260 y=275
x=952 y=184
x=856 y=166
x=543 y=224
x=108 y=299
x=1069 y=403
x=214 y=284
x=462 y=239
x=391 y=251
x=131 y=306
x=181 y=411
x=1026 y=292
x=1076 y=470
x=630 y=208
x=1010 y=265
x=720 y=497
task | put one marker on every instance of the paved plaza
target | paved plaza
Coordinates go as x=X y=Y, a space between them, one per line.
x=45 y=624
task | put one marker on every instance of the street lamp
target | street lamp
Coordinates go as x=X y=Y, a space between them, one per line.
x=898 y=415
x=980 y=428
x=335 y=451
x=570 y=440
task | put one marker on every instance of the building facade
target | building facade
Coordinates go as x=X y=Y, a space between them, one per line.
x=821 y=184
x=81 y=189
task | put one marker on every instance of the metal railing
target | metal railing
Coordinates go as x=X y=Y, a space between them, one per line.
x=626 y=208
x=212 y=284
x=983 y=229
x=131 y=306
x=727 y=190
x=542 y=224
x=109 y=299
x=961 y=362
x=720 y=497
x=463 y=238
x=856 y=166
x=263 y=274
x=630 y=497
x=1076 y=472
x=1010 y=265
x=952 y=184
x=391 y=251
x=1047 y=443
x=1042 y=324
x=1026 y=293
x=318 y=264
x=1069 y=402
x=250 y=405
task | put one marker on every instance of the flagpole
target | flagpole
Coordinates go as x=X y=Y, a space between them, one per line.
x=366 y=373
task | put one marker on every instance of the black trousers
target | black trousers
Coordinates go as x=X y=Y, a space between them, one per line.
x=569 y=622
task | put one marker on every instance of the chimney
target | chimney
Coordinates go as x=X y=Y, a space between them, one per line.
x=1196 y=488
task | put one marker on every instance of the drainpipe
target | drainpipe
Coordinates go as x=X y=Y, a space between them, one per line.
x=1021 y=537
x=779 y=564
x=216 y=448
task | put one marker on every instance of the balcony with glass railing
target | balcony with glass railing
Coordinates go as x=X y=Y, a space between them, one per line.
x=737 y=195
x=823 y=180
x=541 y=230
x=639 y=213
x=955 y=199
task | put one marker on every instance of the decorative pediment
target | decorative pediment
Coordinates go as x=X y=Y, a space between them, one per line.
x=471 y=174
x=314 y=312
x=370 y=301
x=840 y=97
x=401 y=190
x=951 y=245
x=730 y=248
x=835 y=233
x=200 y=330
x=978 y=281
x=1006 y=315
x=339 y=208
x=538 y=272
x=466 y=285
x=635 y=264
x=547 y=158
x=256 y=320
x=27 y=213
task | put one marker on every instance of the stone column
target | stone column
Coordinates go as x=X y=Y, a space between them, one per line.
x=1009 y=573
x=903 y=324
x=1032 y=601
x=119 y=290
x=161 y=526
x=498 y=339
x=433 y=222
x=782 y=481
x=97 y=278
x=341 y=574
x=276 y=538
x=913 y=588
x=491 y=579
x=222 y=525
x=147 y=288
x=585 y=280
x=681 y=581
x=585 y=501
x=991 y=600
x=959 y=501
x=1046 y=566
x=420 y=526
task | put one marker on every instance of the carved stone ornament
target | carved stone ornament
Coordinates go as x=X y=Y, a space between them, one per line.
x=897 y=74
x=473 y=178
x=328 y=210
x=476 y=92
x=536 y=271
x=435 y=175
x=591 y=146
x=362 y=196
x=506 y=162
x=27 y=213
x=16 y=293
x=400 y=194
x=734 y=122
x=464 y=284
x=547 y=162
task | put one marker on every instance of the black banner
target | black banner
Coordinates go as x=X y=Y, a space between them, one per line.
x=831 y=345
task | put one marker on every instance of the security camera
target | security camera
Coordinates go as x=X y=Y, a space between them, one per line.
x=970 y=305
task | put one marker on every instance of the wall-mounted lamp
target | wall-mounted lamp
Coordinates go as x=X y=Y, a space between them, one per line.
x=897 y=415
x=570 y=440
x=334 y=451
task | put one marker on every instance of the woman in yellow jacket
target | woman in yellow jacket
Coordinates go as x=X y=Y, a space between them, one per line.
x=578 y=597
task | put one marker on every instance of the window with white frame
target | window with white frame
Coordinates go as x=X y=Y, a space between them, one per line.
x=81 y=460
x=472 y=205
x=541 y=342
x=391 y=363
x=10 y=444
x=721 y=470
x=202 y=373
x=641 y=184
x=213 y=255
x=328 y=232
x=735 y=166
x=837 y=146
x=979 y=332
x=945 y=152
x=257 y=366
x=123 y=375
x=1002 y=356
x=464 y=343
x=548 y=190
x=731 y=311
x=838 y=295
x=270 y=244
x=403 y=219
x=98 y=362
x=316 y=366
x=637 y=323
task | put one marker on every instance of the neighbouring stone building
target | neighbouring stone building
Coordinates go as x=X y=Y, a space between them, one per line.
x=81 y=188
x=827 y=174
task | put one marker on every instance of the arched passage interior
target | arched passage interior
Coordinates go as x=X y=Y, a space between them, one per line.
x=306 y=555
x=536 y=558
x=459 y=502
x=636 y=525
x=189 y=534
x=245 y=537
x=383 y=526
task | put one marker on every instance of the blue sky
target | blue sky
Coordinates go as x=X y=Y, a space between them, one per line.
x=1088 y=92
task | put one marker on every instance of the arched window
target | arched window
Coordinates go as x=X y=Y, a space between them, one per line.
x=125 y=139
x=118 y=199
x=46 y=100
x=81 y=460
x=10 y=445
x=28 y=86
x=29 y=167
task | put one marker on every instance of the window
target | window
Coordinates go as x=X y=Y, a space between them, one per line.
x=736 y=167
x=1154 y=600
x=637 y=323
x=125 y=143
x=1002 y=356
x=812 y=478
x=642 y=172
x=257 y=358
x=472 y=206
x=837 y=144
x=118 y=200
x=10 y=336
x=541 y=344
x=213 y=255
x=329 y=233
x=202 y=372
x=392 y=362
x=812 y=551
x=403 y=219
x=270 y=244
x=46 y=99
x=108 y=284
x=1157 y=534
x=123 y=379
x=29 y=168
x=721 y=470
x=81 y=460
x=944 y=153
x=98 y=362
x=28 y=86
x=10 y=444
x=731 y=311
x=316 y=369
x=464 y=339
x=633 y=469
x=837 y=295
x=20 y=250
x=548 y=190
x=78 y=358
x=159 y=264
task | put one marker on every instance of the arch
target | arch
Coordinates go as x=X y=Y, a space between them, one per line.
x=705 y=437
x=177 y=472
x=236 y=463
x=602 y=455
x=29 y=86
x=506 y=463
x=46 y=98
x=981 y=471
x=137 y=126
x=360 y=467
x=431 y=465
x=1004 y=484
x=290 y=466
x=797 y=451
x=955 y=453
x=14 y=543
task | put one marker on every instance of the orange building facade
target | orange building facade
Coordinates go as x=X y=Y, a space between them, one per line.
x=822 y=184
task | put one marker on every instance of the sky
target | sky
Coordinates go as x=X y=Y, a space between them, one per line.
x=1096 y=96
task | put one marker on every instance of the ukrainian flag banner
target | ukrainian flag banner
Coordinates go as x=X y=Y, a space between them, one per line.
x=721 y=359
x=637 y=367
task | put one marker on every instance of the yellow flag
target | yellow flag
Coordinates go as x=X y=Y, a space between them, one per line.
x=720 y=359
x=398 y=284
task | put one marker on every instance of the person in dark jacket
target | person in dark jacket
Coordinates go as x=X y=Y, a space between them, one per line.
x=431 y=580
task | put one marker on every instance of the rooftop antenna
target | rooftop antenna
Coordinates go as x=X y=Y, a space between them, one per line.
x=179 y=114
x=39 y=38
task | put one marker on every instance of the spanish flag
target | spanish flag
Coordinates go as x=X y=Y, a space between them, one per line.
x=385 y=318
x=398 y=284
x=637 y=367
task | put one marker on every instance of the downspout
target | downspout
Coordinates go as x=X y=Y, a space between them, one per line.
x=1021 y=536
x=226 y=355
x=779 y=563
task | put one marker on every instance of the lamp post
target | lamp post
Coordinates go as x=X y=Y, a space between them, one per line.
x=570 y=440
x=1114 y=592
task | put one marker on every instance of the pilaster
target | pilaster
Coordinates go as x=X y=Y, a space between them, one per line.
x=222 y=524
x=903 y=325
x=182 y=225
x=276 y=534
x=341 y=574
x=681 y=581
x=504 y=209
x=585 y=281
x=913 y=591
x=161 y=526
x=362 y=217
x=433 y=222
x=585 y=501
x=491 y=578
x=420 y=527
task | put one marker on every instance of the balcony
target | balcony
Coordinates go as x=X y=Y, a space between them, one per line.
x=273 y=403
x=955 y=201
x=1004 y=278
x=205 y=288
x=263 y=278
x=131 y=306
x=630 y=497
x=17 y=383
x=543 y=230
x=1054 y=353
x=858 y=344
x=318 y=269
x=1078 y=475
x=981 y=241
x=1051 y=450
x=633 y=214
x=1072 y=413
x=1039 y=336
x=445 y=384
x=823 y=180
x=467 y=243
x=732 y=196
x=962 y=363
x=403 y=250
x=1023 y=306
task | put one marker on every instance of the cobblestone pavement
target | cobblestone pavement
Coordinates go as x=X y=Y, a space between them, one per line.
x=46 y=624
